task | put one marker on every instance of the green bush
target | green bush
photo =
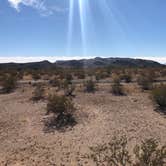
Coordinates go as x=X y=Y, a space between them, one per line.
x=90 y=86
x=63 y=110
x=159 y=95
x=9 y=83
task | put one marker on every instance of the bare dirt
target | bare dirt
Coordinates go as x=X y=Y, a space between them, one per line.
x=100 y=116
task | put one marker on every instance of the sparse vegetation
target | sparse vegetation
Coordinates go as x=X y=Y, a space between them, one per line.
x=145 y=82
x=127 y=78
x=69 y=90
x=9 y=83
x=90 y=86
x=150 y=154
x=115 y=153
x=159 y=95
x=63 y=112
x=116 y=87
x=55 y=82
x=38 y=93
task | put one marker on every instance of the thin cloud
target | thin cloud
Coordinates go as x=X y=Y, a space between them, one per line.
x=153 y=58
x=39 y=5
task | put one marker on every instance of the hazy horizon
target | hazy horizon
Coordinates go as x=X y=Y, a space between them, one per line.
x=52 y=59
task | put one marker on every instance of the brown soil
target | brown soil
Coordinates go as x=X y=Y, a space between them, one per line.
x=100 y=116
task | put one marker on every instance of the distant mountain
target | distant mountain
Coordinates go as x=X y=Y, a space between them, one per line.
x=103 y=62
x=86 y=63
x=31 y=65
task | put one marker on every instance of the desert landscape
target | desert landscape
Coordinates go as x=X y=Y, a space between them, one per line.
x=107 y=102
x=82 y=83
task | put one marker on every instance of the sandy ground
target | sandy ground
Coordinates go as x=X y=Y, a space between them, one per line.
x=100 y=116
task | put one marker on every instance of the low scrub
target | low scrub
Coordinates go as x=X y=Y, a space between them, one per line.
x=38 y=93
x=90 y=86
x=126 y=77
x=69 y=90
x=63 y=112
x=116 y=153
x=159 y=95
x=116 y=87
x=8 y=83
x=145 y=82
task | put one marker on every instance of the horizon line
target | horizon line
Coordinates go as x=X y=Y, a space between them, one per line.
x=27 y=59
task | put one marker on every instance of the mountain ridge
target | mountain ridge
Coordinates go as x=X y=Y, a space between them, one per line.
x=84 y=63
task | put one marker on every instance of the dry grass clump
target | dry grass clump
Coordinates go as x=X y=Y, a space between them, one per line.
x=115 y=153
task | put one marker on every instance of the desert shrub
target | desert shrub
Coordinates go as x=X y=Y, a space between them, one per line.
x=126 y=77
x=116 y=153
x=149 y=154
x=145 y=82
x=9 y=83
x=38 y=93
x=101 y=75
x=159 y=95
x=68 y=78
x=90 y=86
x=80 y=75
x=69 y=90
x=63 y=110
x=36 y=75
x=116 y=87
x=55 y=82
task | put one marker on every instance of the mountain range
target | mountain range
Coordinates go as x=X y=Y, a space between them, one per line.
x=84 y=63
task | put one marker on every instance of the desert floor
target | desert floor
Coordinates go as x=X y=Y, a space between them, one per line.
x=100 y=116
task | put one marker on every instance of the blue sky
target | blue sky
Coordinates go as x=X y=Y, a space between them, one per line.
x=33 y=30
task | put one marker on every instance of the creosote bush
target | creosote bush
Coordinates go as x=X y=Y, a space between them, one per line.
x=55 y=82
x=159 y=95
x=90 y=86
x=63 y=112
x=38 y=93
x=145 y=82
x=150 y=154
x=116 y=87
x=36 y=75
x=126 y=77
x=115 y=153
x=69 y=90
x=9 y=83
